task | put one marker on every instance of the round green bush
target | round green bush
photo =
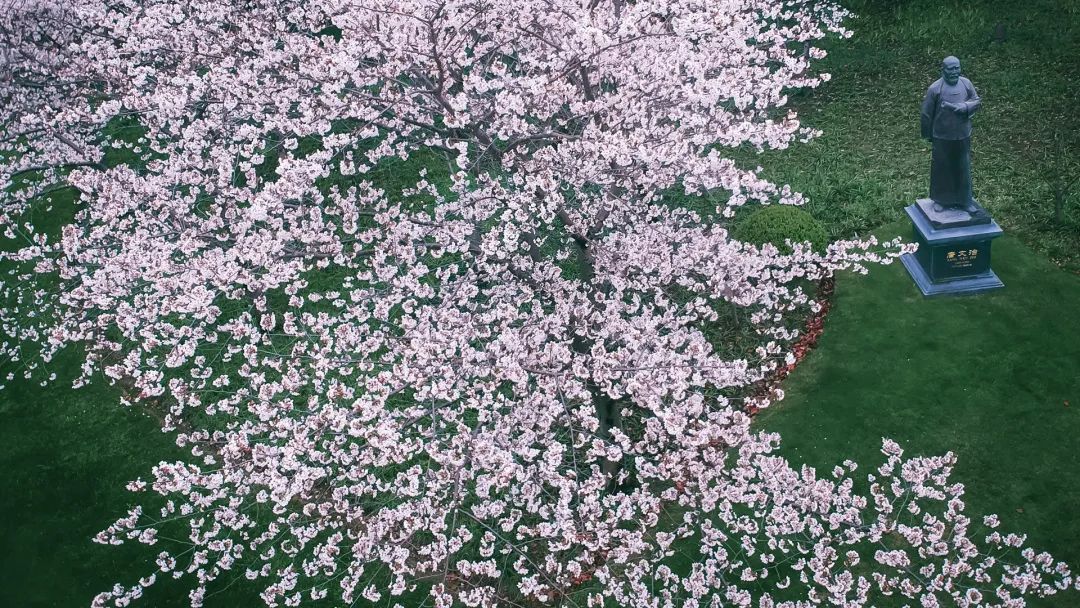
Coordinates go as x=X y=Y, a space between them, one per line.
x=774 y=223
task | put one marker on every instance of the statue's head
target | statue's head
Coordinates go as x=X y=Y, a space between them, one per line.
x=950 y=69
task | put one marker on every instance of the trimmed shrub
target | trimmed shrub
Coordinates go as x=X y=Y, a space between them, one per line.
x=774 y=223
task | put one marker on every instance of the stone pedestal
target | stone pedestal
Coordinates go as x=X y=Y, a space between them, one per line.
x=954 y=252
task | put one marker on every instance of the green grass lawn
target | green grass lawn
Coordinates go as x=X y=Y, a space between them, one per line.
x=994 y=378
x=65 y=456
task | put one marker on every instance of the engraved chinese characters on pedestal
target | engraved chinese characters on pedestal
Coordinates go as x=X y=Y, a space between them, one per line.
x=965 y=258
x=953 y=231
x=963 y=261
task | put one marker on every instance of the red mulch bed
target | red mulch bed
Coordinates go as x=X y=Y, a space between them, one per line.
x=766 y=388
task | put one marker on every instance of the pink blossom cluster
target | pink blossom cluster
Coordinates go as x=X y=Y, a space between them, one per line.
x=498 y=386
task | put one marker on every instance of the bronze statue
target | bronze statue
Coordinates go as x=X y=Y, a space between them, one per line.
x=952 y=231
x=946 y=122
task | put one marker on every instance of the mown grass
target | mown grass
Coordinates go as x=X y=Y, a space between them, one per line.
x=993 y=378
x=987 y=377
x=65 y=458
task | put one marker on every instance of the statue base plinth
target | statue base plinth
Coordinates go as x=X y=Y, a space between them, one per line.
x=953 y=259
x=952 y=217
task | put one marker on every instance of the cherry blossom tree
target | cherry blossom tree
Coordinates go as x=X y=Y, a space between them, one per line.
x=501 y=379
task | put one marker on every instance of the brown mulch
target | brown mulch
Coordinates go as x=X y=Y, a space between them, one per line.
x=815 y=323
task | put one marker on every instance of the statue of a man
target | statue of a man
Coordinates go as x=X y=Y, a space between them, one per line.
x=946 y=122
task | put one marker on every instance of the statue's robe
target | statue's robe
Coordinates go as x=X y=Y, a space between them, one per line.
x=950 y=166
